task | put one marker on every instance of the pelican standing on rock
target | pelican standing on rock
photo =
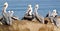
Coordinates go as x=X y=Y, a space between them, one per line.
x=56 y=18
x=28 y=14
x=50 y=17
x=53 y=16
x=6 y=17
x=37 y=16
x=29 y=10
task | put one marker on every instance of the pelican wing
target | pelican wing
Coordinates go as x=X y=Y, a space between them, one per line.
x=57 y=21
x=40 y=18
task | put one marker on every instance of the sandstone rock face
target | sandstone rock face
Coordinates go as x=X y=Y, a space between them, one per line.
x=27 y=26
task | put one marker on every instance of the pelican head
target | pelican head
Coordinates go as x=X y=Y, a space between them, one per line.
x=54 y=11
x=8 y=11
x=29 y=6
x=36 y=6
x=12 y=12
x=5 y=5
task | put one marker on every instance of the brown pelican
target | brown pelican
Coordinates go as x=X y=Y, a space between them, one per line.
x=37 y=16
x=50 y=17
x=6 y=17
x=54 y=18
x=29 y=10
x=28 y=14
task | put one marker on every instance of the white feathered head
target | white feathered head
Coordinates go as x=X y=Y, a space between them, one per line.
x=5 y=4
x=54 y=11
x=36 y=6
x=29 y=6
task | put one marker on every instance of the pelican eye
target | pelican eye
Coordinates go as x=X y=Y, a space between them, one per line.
x=36 y=7
x=28 y=7
x=4 y=5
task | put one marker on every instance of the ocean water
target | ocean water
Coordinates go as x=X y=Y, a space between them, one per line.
x=20 y=6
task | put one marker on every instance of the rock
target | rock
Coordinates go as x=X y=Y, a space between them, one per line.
x=25 y=25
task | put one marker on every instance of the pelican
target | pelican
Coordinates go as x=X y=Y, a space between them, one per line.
x=28 y=14
x=38 y=17
x=54 y=18
x=6 y=17
x=54 y=13
x=49 y=15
